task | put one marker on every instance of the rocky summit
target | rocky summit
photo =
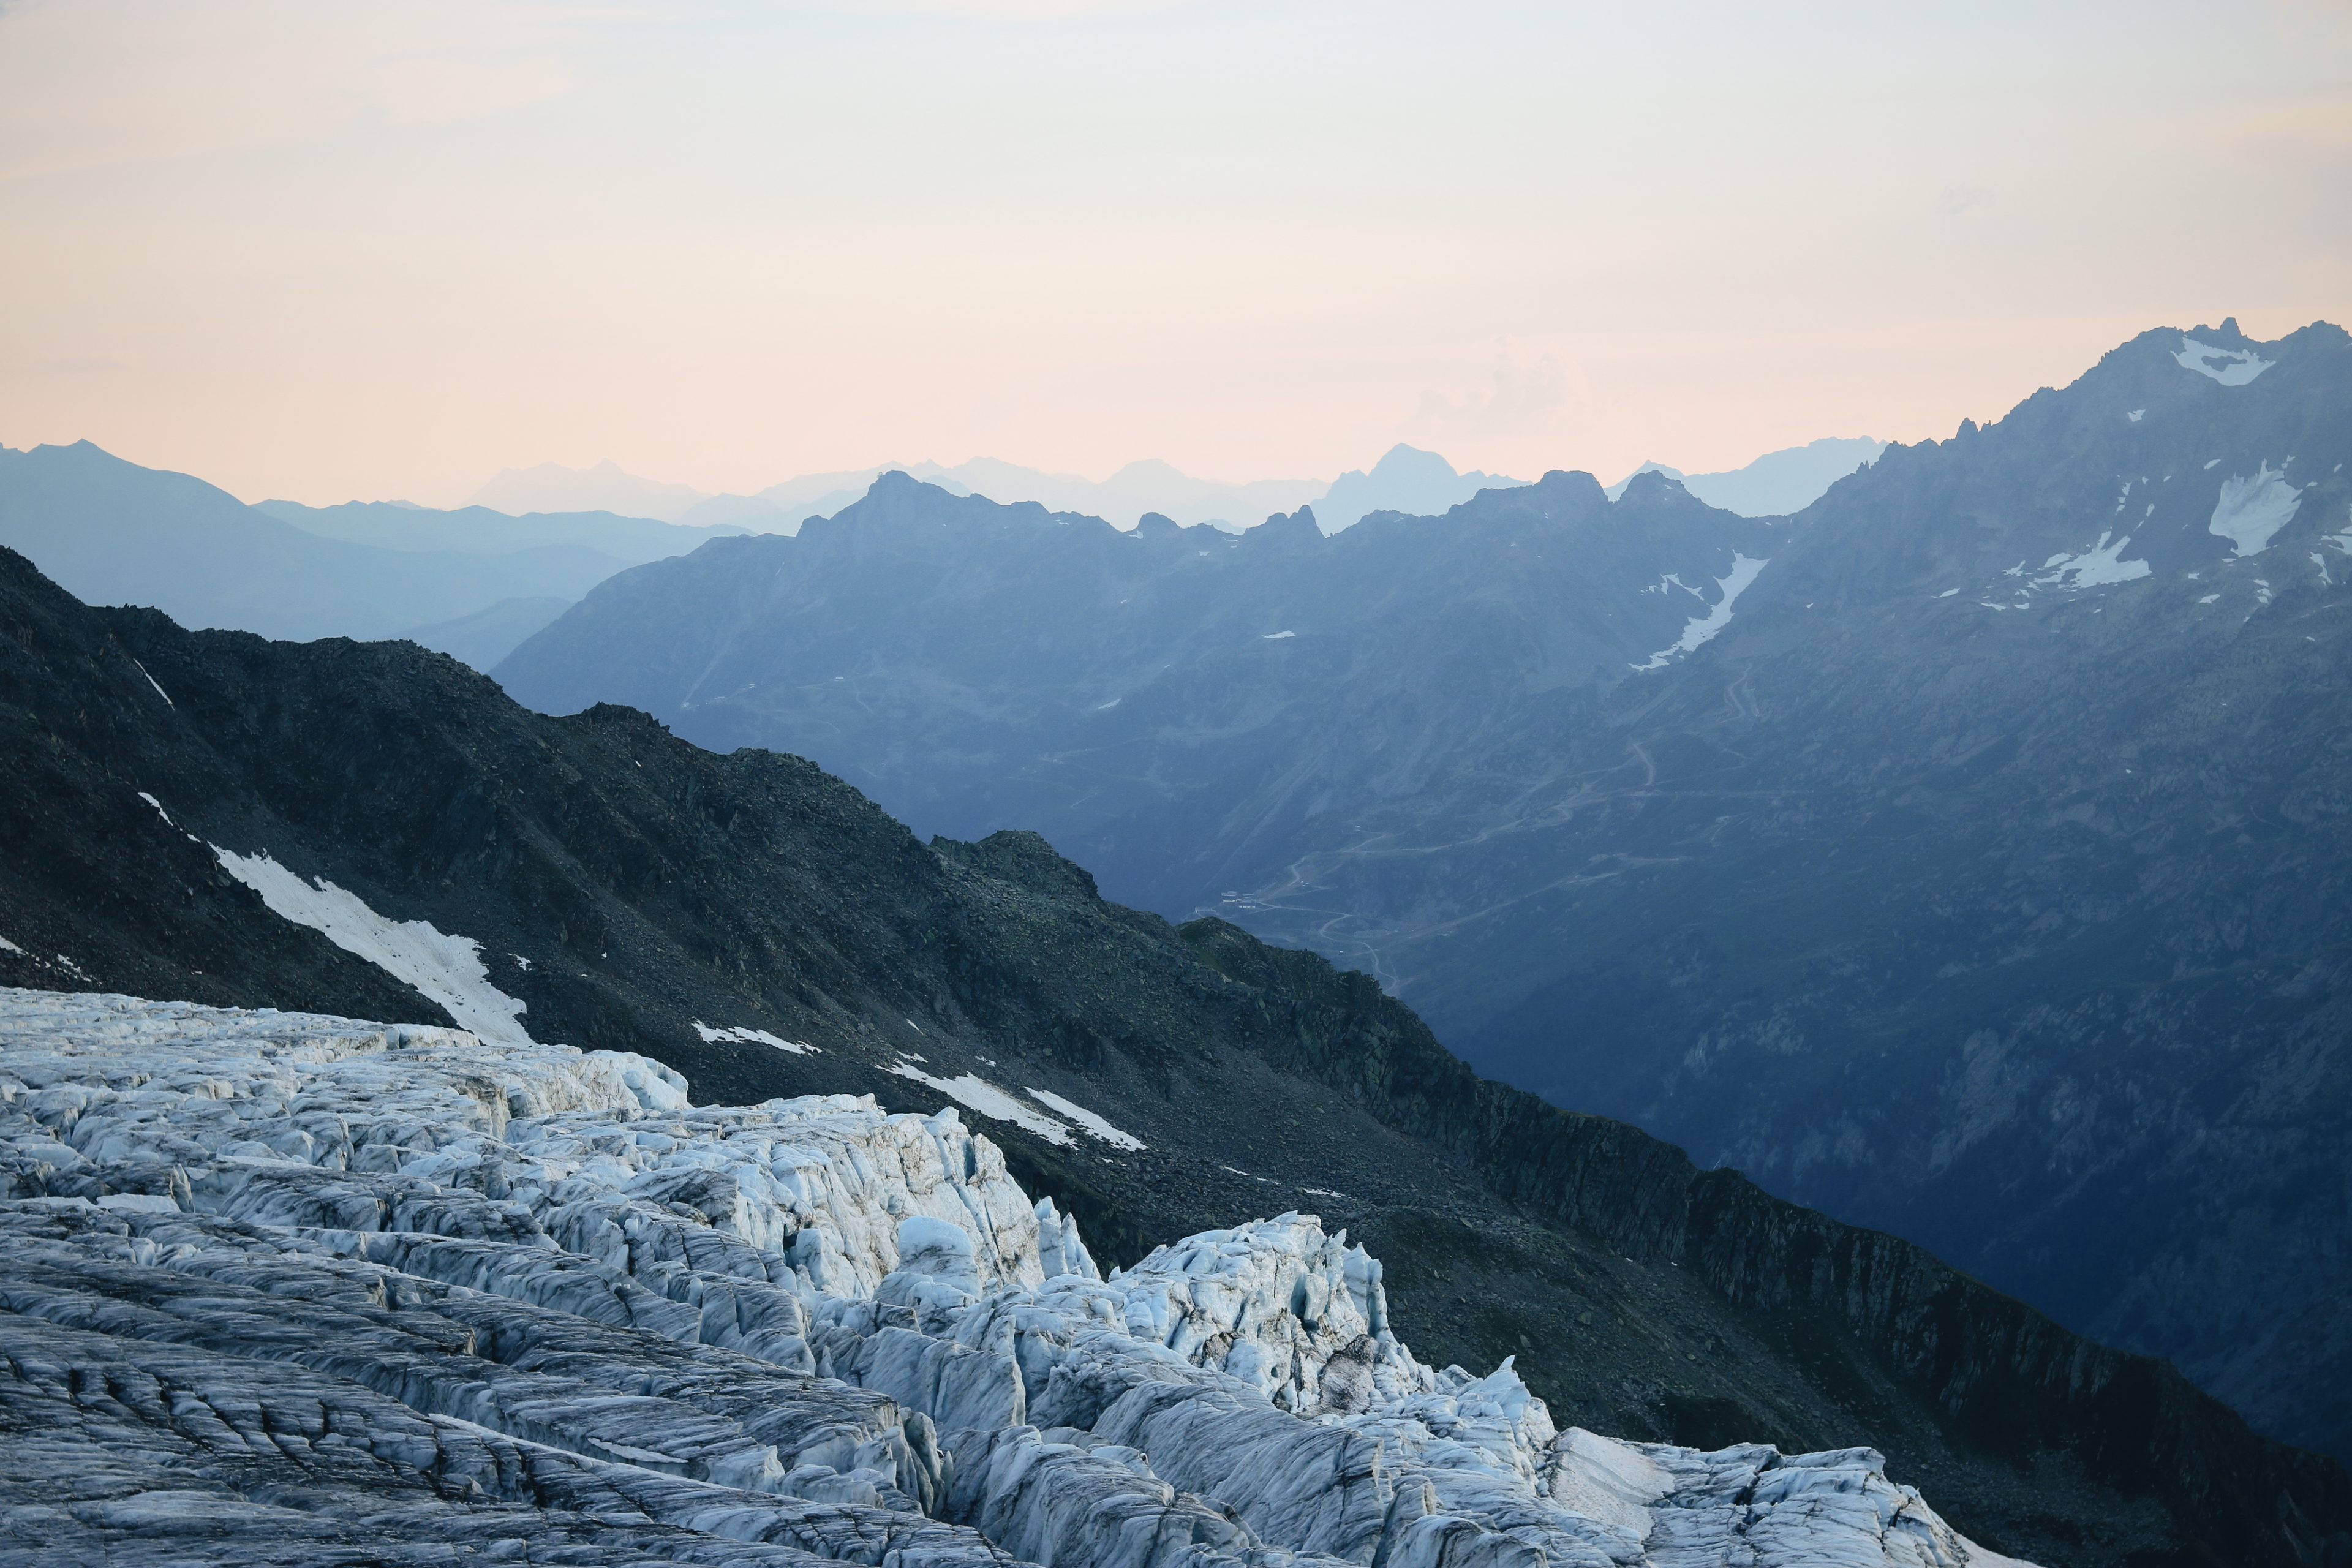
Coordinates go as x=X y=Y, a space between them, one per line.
x=287 y=1287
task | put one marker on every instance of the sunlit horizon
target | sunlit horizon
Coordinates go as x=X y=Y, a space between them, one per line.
x=327 y=255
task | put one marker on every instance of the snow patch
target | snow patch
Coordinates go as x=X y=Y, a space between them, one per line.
x=158 y=805
x=1948 y=593
x=977 y=1093
x=754 y=1037
x=2136 y=414
x=1087 y=1121
x=2231 y=367
x=1276 y=636
x=151 y=681
x=1744 y=569
x=2209 y=598
x=444 y=968
x=63 y=964
x=2252 y=511
x=2102 y=566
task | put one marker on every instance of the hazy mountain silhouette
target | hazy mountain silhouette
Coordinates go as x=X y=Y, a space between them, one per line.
x=1405 y=479
x=119 y=533
x=1778 y=483
x=551 y=487
x=486 y=636
x=1148 y=485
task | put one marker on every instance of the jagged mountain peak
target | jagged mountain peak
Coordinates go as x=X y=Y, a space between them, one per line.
x=2162 y=461
x=1653 y=486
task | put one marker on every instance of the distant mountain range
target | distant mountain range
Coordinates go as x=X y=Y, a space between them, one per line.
x=551 y=487
x=474 y=582
x=370 y=830
x=1968 y=855
x=1776 y=484
x=1127 y=495
x=1405 y=479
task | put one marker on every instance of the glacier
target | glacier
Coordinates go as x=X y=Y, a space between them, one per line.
x=282 y=1287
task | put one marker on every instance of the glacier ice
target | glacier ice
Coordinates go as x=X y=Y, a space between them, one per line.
x=279 y=1287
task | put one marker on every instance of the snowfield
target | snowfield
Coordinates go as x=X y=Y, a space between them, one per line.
x=2252 y=511
x=1744 y=571
x=2231 y=367
x=286 y=1288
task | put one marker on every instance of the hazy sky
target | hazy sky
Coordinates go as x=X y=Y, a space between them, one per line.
x=325 y=250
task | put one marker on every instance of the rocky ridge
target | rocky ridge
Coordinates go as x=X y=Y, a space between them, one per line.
x=281 y=1287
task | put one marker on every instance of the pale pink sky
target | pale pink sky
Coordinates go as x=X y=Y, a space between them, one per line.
x=328 y=251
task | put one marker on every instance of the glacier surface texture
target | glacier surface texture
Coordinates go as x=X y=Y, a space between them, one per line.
x=287 y=1288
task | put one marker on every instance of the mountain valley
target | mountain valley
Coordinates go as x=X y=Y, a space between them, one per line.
x=1962 y=854
x=372 y=829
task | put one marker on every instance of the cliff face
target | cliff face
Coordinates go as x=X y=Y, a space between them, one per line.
x=764 y=929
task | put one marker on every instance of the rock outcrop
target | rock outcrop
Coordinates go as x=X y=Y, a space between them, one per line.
x=288 y=1287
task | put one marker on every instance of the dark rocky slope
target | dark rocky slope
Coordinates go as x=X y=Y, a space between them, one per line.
x=660 y=893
